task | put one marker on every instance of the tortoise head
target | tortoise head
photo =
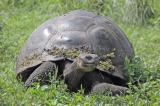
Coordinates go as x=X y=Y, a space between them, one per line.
x=87 y=62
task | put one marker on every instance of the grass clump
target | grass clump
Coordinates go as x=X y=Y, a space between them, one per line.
x=138 y=11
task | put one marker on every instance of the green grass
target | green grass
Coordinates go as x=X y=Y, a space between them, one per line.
x=19 y=18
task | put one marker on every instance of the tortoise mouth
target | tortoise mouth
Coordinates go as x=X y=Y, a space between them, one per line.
x=89 y=59
x=88 y=64
x=85 y=66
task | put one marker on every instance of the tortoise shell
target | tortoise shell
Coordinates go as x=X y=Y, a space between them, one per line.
x=80 y=30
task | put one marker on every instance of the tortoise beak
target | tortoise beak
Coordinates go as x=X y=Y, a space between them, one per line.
x=89 y=58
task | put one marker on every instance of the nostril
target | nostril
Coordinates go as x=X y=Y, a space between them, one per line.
x=88 y=57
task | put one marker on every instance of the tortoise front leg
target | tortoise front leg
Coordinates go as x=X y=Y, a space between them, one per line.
x=104 y=87
x=41 y=74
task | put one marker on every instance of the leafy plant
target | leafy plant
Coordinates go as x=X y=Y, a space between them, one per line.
x=136 y=70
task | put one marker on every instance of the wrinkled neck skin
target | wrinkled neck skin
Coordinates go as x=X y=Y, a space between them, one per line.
x=72 y=66
x=73 y=74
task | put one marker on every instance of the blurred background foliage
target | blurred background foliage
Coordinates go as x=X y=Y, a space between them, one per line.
x=138 y=11
x=129 y=11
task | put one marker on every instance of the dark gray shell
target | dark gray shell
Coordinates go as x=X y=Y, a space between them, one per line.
x=77 y=29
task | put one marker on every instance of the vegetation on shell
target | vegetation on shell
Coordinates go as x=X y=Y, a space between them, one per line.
x=105 y=63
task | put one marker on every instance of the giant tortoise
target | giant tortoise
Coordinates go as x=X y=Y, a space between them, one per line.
x=77 y=44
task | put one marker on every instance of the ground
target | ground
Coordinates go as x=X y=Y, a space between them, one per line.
x=18 y=19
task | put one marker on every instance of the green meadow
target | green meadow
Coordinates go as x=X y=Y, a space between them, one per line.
x=19 y=18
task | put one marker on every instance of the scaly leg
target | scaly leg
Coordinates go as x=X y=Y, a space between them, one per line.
x=114 y=89
x=41 y=74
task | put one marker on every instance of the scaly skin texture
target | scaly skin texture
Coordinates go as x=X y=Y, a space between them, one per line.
x=41 y=74
x=74 y=72
x=79 y=73
x=106 y=87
